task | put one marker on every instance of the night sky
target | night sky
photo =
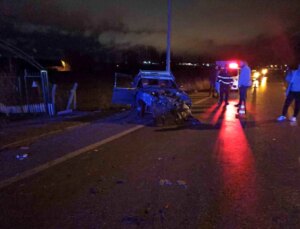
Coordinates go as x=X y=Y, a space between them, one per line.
x=197 y=27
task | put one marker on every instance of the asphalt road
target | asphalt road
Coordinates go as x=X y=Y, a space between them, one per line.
x=221 y=171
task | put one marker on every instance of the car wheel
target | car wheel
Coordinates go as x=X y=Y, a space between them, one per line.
x=141 y=108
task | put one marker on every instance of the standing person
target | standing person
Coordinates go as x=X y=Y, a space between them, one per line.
x=225 y=81
x=244 y=83
x=292 y=93
x=212 y=82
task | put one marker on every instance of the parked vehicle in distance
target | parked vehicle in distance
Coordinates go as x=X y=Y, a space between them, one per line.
x=150 y=88
x=258 y=76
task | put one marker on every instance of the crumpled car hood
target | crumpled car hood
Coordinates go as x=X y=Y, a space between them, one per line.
x=169 y=92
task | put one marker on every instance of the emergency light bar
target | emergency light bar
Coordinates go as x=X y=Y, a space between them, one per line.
x=233 y=65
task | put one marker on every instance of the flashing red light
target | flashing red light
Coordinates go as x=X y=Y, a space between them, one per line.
x=233 y=65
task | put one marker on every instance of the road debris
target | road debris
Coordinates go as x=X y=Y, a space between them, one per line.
x=182 y=183
x=147 y=210
x=165 y=182
x=120 y=181
x=101 y=179
x=21 y=157
x=94 y=190
x=162 y=213
x=132 y=220
x=196 y=122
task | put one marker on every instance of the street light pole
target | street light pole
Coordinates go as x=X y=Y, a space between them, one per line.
x=168 y=55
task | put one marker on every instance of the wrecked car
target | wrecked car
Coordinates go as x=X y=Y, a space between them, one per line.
x=154 y=92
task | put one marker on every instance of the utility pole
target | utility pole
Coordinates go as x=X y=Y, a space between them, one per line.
x=168 y=57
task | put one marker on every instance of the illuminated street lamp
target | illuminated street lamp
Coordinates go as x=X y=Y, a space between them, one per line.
x=63 y=63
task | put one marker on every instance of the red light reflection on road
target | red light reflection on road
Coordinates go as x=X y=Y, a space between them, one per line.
x=209 y=111
x=217 y=115
x=237 y=166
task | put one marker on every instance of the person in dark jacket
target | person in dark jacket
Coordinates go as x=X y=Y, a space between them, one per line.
x=292 y=93
x=225 y=81
x=212 y=81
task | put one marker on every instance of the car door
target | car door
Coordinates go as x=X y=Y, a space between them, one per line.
x=123 y=92
x=123 y=96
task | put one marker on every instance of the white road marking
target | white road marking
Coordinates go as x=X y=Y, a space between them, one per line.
x=31 y=139
x=201 y=100
x=71 y=155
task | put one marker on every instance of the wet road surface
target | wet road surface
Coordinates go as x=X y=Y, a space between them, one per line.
x=220 y=172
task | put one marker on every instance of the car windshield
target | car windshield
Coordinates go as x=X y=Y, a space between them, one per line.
x=160 y=83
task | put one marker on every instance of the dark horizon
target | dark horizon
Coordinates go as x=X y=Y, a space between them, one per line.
x=257 y=31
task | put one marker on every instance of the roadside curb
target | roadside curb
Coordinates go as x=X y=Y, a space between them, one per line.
x=201 y=100
x=31 y=139
x=78 y=125
x=6 y=182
